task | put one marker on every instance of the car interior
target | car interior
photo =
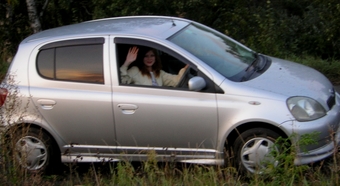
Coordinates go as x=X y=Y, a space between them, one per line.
x=170 y=64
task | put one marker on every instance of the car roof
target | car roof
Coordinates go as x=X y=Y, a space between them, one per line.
x=146 y=26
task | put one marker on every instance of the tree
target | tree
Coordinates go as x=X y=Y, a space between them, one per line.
x=33 y=16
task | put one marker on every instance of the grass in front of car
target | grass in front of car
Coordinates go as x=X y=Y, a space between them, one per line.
x=152 y=172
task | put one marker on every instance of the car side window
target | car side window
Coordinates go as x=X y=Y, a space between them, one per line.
x=75 y=60
x=172 y=71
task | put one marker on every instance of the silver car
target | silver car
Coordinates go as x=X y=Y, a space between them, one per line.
x=231 y=103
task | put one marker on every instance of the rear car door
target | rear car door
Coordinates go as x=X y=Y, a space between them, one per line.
x=71 y=87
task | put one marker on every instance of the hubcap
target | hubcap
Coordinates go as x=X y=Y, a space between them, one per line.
x=256 y=154
x=31 y=152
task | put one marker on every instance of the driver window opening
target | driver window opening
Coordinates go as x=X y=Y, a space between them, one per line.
x=145 y=66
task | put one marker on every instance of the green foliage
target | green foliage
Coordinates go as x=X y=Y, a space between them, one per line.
x=275 y=28
x=3 y=69
x=125 y=174
x=308 y=139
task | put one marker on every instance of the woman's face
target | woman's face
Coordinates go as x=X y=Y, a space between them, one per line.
x=149 y=58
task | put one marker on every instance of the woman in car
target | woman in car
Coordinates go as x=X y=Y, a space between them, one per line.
x=149 y=71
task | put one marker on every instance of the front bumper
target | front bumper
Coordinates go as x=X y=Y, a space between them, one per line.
x=331 y=145
x=319 y=154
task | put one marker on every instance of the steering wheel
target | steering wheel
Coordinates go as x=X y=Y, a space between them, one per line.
x=184 y=79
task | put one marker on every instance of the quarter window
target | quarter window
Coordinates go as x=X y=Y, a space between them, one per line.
x=80 y=63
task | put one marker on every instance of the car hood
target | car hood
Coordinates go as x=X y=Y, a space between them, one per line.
x=293 y=79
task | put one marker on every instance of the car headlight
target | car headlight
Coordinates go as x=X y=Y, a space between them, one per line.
x=305 y=109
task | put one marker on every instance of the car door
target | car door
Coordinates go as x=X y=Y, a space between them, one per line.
x=71 y=87
x=165 y=119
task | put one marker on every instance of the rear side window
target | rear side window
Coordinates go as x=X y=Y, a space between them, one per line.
x=76 y=60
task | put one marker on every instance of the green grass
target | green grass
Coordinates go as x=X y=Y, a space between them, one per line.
x=152 y=172
x=126 y=173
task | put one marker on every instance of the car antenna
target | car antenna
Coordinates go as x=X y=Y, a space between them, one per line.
x=173 y=22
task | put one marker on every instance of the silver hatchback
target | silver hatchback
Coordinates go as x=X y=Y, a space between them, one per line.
x=228 y=102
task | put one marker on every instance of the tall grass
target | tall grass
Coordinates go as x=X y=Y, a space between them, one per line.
x=152 y=172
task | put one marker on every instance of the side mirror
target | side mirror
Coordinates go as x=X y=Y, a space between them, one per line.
x=196 y=83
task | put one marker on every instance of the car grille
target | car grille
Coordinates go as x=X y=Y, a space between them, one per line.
x=331 y=100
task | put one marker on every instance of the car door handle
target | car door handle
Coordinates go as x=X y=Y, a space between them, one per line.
x=47 y=104
x=128 y=108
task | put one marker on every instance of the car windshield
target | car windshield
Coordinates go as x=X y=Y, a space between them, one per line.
x=225 y=55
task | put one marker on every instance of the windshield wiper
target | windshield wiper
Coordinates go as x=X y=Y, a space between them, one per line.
x=253 y=67
x=254 y=63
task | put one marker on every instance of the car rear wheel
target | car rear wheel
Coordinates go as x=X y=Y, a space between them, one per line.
x=255 y=150
x=35 y=151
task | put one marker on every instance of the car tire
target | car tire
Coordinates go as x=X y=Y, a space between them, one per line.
x=35 y=151
x=254 y=150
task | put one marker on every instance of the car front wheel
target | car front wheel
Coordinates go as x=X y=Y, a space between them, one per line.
x=255 y=150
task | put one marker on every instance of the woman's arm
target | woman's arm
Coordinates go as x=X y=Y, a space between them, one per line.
x=129 y=76
x=126 y=75
x=172 y=79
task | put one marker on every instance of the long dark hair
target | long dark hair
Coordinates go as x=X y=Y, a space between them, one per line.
x=156 y=67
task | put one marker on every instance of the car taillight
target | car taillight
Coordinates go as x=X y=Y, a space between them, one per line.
x=3 y=95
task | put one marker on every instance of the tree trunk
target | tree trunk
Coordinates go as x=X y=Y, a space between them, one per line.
x=33 y=16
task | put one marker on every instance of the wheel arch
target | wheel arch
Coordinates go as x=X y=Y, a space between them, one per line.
x=31 y=125
x=230 y=139
x=49 y=158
